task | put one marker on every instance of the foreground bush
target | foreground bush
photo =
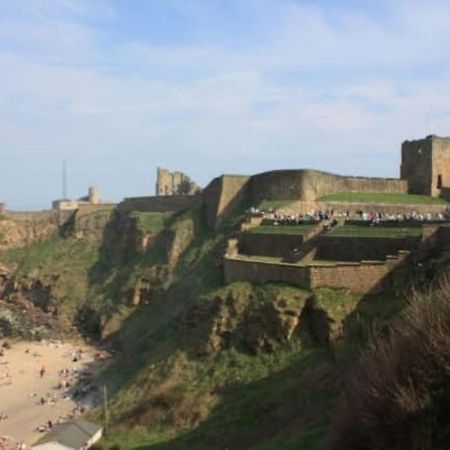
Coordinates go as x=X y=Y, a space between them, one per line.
x=399 y=395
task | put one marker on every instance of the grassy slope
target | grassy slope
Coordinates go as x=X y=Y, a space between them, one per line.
x=63 y=263
x=279 y=400
x=167 y=391
x=376 y=197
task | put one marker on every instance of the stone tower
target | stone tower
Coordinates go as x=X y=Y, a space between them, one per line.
x=426 y=165
x=94 y=195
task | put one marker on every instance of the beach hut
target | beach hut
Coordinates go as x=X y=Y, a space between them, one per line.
x=74 y=435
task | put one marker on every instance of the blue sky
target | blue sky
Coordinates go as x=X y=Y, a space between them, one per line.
x=119 y=87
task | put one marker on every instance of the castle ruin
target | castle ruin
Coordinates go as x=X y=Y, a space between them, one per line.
x=174 y=183
x=426 y=166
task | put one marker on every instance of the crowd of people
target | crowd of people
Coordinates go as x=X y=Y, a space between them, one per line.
x=372 y=218
x=73 y=384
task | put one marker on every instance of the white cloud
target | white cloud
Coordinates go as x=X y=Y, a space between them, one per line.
x=319 y=89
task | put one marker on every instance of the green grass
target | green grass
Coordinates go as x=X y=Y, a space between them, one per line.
x=277 y=260
x=377 y=231
x=283 y=229
x=151 y=223
x=376 y=197
x=275 y=204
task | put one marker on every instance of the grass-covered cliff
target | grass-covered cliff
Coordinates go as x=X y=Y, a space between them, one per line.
x=201 y=365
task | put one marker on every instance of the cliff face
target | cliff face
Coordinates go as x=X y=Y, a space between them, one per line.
x=19 y=233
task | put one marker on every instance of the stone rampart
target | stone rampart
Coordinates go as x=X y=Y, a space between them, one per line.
x=222 y=195
x=310 y=185
x=343 y=248
x=172 y=203
x=277 y=245
x=89 y=218
x=364 y=277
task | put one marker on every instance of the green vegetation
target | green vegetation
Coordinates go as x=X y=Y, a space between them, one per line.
x=376 y=197
x=62 y=263
x=365 y=230
x=277 y=260
x=202 y=365
x=151 y=223
x=283 y=229
x=276 y=204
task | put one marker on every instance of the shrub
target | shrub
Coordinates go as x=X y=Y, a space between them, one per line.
x=398 y=397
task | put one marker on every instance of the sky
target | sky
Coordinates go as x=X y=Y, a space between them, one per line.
x=118 y=87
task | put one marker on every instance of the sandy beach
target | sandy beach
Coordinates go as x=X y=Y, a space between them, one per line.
x=29 y=399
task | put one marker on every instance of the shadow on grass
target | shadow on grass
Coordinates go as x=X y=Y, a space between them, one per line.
x=253 y=415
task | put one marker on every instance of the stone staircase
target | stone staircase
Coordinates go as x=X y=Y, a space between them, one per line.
x=308 y=249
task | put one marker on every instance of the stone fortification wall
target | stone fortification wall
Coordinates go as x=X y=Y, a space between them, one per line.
x=310 y=185
x=91 y=208
x=222 y=195
x=90 y=217
x=277 y=245
x=360 y=278
x=339 y=248
x=172 y=203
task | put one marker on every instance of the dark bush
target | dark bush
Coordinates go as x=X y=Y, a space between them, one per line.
x=398 y=397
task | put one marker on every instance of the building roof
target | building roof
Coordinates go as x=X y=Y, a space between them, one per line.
x=73 y=434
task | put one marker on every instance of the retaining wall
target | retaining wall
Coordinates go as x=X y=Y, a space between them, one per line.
x=360 y=278
x=278 y=245
x=342 y=248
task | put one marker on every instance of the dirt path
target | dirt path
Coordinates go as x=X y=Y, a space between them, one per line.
x=29 y=400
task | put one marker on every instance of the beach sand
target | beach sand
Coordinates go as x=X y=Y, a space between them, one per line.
x=22 y=387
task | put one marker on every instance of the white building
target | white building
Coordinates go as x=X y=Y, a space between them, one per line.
x=74 y=435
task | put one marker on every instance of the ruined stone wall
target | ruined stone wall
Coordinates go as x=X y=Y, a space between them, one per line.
x=339 y=248
x=222 y=195
x=174 y=183
x=172 y=203
x=277 y=245
x=310 y=185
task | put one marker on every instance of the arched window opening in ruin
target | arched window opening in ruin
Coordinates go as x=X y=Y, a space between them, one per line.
x=439 y=181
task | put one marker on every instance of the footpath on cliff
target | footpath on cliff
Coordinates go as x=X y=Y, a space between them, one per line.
x=42 y=384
